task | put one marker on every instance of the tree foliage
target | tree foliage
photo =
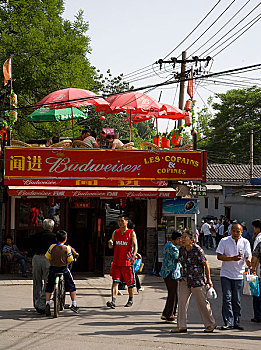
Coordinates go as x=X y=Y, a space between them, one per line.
x=231 y=143
x=49 y=53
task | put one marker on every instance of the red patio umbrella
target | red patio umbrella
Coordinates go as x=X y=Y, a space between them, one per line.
x=131 y=102
x=71 y=97
x=167 y=112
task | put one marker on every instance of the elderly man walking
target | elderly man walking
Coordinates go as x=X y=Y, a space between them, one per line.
x=234 y=251
x=41 y=243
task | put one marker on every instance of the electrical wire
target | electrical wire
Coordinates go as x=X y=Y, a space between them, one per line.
x=209 y=52
x=219 y=30
x=152 y=87
x=237 y=36
x=142 y=69
x=211 y=25
x=193 y=29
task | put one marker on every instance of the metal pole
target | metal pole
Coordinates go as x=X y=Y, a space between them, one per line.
x=194 y=137
x=130 y=125
x=72 y=123
x=251 y=154
x=182 y=85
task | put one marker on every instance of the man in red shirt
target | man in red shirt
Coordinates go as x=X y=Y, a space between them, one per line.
x=125 y=249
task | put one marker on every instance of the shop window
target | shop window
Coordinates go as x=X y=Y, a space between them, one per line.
x=206 y=202
x=216 y=202
x=30 y=213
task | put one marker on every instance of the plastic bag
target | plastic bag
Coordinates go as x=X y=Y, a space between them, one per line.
x=137 y=264
x=211 y=293
x=251 y=285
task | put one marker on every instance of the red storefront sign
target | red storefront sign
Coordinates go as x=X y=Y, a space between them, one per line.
x=47 y=191
x=82 y=205
x=83 y=164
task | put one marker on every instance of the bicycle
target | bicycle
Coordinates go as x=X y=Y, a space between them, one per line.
x=58 y=294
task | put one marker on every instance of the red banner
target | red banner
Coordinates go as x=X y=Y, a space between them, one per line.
x=84 y=182
x=39 y=163
x=111 y=192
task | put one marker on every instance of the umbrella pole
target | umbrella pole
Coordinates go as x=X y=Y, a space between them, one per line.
x=130 y=125
x=157 y=128
x=72 y=124
x=59 y=130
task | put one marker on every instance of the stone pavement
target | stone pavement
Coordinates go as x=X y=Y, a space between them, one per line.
x=98 y=327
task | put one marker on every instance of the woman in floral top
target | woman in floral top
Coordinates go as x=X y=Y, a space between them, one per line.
x=171 y=273
x=194 y=268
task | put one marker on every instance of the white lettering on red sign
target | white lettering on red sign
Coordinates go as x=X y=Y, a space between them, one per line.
x=60 y=165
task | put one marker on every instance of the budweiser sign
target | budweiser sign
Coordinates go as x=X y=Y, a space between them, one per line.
x=49 y=163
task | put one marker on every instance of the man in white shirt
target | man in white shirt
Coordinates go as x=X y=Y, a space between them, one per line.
x=234 y=251
x=219 y=231
x=205 y=228
x=257 y=300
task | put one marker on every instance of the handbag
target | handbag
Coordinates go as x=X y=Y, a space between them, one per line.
x=251 y=284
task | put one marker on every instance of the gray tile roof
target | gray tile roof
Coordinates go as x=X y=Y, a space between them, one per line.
x=231 y=173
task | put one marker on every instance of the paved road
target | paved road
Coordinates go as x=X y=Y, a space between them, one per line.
x=97 y=327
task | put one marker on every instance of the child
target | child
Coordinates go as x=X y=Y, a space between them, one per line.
x=138 y=266
x=60 y=256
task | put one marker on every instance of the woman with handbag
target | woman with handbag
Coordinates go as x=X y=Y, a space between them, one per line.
x=194 y=270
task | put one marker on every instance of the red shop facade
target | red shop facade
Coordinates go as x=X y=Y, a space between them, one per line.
x=84 y=191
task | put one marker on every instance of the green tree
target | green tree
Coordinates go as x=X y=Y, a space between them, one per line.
x=49 y=53
x=230 y=143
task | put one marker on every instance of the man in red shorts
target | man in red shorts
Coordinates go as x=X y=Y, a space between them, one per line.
x=125 y=249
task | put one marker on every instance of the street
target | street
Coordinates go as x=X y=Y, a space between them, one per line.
x=98 y=327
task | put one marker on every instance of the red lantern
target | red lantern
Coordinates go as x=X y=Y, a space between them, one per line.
x=165 y=143
x=157 y=141
x=175 y=140
x=102 y=118
x=188 y=105
x=188 y=120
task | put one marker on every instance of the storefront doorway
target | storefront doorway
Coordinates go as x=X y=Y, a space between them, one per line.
x=86 y=236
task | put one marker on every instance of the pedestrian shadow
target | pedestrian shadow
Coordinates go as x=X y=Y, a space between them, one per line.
x=157 y=331
x=19 y=315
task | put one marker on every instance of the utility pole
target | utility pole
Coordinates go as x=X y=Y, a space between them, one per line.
x=251 y=154
x=182 y=85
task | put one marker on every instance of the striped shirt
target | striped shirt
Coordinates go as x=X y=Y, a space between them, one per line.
x=10 y=250
x=59 y=255
x=90 y=140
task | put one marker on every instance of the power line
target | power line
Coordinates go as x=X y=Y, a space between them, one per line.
x=145 y=68
x=150 y=87
x=211 y=24
x=218 y=31
x=193 y=29
x=259 y=17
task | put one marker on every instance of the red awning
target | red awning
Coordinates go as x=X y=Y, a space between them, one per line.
x=52 y=191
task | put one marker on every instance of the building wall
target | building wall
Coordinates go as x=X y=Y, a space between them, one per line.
x=242 y=208
x=211 y=195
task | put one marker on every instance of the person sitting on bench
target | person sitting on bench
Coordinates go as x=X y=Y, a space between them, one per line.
x=12 y=253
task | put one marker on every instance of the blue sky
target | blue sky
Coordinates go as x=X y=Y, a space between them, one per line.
x=130 y=35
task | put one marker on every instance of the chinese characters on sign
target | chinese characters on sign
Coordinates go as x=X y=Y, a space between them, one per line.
x=23 y=163
x=90 y=165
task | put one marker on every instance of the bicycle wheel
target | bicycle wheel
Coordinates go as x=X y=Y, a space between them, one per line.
x=62 y=293
x=56 y=297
